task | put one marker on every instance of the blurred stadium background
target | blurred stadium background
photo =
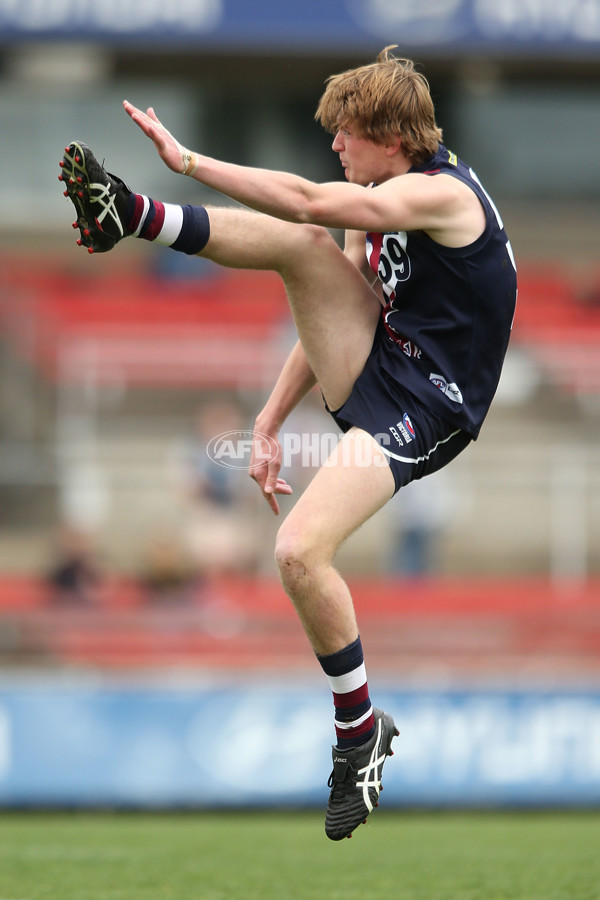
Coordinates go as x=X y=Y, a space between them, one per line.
x=142 y=627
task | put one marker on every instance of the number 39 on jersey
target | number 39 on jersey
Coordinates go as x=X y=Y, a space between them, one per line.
x=389 y=260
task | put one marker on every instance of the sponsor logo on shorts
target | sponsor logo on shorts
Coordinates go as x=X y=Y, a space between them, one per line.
x=395 y=434
x=408 y=425
x=450 y=389
x=403 y=431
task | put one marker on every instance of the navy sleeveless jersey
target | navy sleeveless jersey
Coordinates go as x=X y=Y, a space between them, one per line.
x=449 y=310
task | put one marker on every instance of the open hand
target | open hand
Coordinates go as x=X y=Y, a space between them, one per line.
x=172 y=153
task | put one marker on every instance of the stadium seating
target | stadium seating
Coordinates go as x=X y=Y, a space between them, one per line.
x=148 y=331
x=145 y=329
x=466 y=626
x=558 y=321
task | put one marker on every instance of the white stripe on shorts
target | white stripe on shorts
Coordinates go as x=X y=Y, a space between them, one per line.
x=419 y=459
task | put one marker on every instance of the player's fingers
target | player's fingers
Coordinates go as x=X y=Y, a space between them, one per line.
x=274 y=486
x=282 y=487
x=150 y=112
x=272 y=501
x=141 y=120
x=272 y=479
x=129 y=108
x=258 y=474
x=136 y=114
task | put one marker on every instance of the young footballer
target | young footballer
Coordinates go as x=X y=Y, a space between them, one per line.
x=404 y=331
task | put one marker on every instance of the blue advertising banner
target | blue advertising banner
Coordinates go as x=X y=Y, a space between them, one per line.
x=262 y=745
x=311 y=25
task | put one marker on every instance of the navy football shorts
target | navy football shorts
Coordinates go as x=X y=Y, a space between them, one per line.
x=415 y=440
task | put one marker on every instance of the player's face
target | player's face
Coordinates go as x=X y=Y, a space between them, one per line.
x=363 y=160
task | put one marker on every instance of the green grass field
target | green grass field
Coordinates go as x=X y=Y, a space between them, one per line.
x=286 y=856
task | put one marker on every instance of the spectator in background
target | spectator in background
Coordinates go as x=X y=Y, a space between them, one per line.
x=167 y=575
x=75 y=575
x=415 y=526
x=219 y=532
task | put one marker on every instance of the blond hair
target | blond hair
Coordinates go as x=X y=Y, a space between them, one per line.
x=383 y=99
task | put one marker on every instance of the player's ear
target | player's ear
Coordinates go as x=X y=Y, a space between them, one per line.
x=393 y=145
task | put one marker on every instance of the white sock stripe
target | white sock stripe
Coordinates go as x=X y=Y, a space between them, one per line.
x=355 y=722
x=136 y=233
x=171 y=226
x=344 y=684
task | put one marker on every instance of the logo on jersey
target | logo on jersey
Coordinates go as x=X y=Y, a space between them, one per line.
x=407 y=347
x=411 y=349
x=450 y=389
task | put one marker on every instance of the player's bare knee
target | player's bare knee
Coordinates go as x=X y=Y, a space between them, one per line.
x=319 y=238
x=292 y=568
x=308 y=240
x=295 y=559
x=293 y=575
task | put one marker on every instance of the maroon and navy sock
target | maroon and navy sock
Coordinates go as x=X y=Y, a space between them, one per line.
x=347 y=675
x=183 y=228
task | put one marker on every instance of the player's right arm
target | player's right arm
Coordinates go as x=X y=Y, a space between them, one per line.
x=295 y=381
x=442 y=206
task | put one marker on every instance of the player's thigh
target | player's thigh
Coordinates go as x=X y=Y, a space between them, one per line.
x=352 y=485
x=334 y=308
x=335 y=311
